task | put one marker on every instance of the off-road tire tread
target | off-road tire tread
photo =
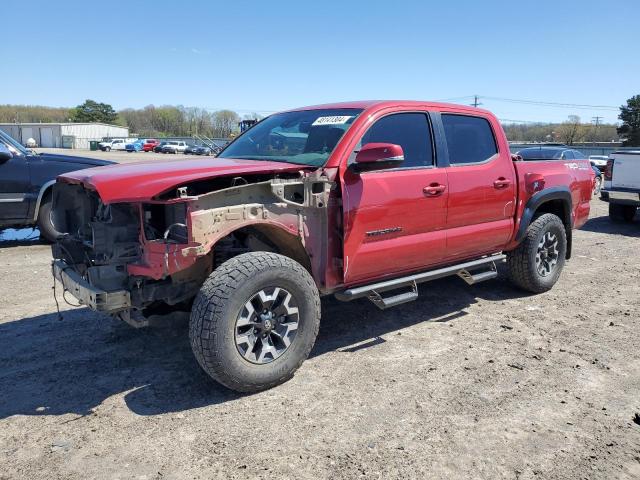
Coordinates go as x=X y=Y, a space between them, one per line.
x=208 y=308
x=522 y=272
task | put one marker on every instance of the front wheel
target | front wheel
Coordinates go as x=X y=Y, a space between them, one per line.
x=536 y=263
x=45 y=220
x=255 y=321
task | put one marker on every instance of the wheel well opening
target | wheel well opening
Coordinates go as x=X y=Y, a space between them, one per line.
x=260 y=238
x=559 y=208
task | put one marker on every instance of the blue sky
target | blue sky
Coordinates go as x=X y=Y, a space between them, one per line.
x=272 y=55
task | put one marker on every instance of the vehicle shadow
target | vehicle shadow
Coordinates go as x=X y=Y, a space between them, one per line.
x=605 y=225
x=55 y=366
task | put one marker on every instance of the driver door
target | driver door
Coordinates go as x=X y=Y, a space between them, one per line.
x=394 y=219
x=14 y=188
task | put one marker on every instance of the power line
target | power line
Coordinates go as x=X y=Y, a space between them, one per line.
x=553 y=104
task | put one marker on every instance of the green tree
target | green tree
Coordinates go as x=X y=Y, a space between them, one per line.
x=91 y=111
x=630 y=116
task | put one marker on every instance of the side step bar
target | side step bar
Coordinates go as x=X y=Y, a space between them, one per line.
x=466 y=271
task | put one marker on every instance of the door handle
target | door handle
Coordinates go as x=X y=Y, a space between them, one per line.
x=434 y=190
x=501 y=183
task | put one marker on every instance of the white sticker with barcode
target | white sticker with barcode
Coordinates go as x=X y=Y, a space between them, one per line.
x=334 y=120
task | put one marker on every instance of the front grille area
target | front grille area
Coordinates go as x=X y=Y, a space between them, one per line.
x=99 y=240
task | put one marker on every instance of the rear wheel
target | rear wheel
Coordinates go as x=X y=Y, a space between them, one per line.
x=622 y=213
x=255 y=321
x=536 y=263
x=598 y=186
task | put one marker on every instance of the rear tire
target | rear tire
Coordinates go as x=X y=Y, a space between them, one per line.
x=535 y=265
x=255 y=321
x=45 y=222
x=622 y=213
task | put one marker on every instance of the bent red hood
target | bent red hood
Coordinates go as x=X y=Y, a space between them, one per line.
x=135 y=182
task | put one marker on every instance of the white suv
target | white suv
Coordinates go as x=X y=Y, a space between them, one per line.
x=174 y=146
x=117 y=144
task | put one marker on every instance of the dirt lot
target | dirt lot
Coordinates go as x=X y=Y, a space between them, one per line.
x=466 y=382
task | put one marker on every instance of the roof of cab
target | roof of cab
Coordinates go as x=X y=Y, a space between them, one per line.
x=379 y=104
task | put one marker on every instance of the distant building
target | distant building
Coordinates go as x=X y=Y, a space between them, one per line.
x=63 y=135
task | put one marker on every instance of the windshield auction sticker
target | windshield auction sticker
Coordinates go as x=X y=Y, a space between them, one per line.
x=335 y=120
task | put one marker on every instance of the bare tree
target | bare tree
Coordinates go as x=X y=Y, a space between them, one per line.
x=225 y=122
x=571 y=131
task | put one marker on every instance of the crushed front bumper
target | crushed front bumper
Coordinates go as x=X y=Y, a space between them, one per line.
x=94 y=298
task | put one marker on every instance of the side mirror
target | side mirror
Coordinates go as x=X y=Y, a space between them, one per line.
x=374 y=156
x=5 y=153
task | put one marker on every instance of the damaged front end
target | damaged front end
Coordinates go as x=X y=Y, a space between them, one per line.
x=135 y=259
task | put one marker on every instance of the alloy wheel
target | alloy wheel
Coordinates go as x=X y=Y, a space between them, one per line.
x=547 y=254
x=266 y=325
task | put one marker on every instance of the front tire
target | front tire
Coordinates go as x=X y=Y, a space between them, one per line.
x=45 y=221
x=254 y=321
x=535 y=265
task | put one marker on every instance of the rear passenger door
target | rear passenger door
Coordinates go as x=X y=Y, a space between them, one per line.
x=482 y=193
x=394 y=219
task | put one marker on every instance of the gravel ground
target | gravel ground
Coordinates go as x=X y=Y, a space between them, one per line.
x=466 y=382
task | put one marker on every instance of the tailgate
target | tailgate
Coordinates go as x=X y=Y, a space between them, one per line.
x=626 y=170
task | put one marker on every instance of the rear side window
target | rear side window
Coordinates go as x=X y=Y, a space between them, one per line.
x=469 y=139
x=409 y=130
x=578 y=154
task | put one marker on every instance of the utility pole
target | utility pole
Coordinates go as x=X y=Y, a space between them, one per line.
x=596 y=120
x=476 y=101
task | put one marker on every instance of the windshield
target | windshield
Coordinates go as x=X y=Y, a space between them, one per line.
x=305 y=137
x=13 y=146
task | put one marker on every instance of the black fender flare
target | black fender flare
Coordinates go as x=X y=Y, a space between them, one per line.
x=561 y=193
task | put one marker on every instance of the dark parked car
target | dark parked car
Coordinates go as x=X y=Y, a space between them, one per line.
x=197 y=150
x=560 y=153
x=26 y=179
x=551 y=153
x=158 y=147
x=598 y=181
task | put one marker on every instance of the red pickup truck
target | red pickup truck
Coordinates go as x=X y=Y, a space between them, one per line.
x=361 y=199
x=150 y=144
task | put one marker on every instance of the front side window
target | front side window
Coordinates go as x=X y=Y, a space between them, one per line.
x=304 y=137
x=409 y=130
x=567 y=155
x=469 y=139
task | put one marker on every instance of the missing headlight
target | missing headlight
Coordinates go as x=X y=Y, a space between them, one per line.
x=166 y=222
